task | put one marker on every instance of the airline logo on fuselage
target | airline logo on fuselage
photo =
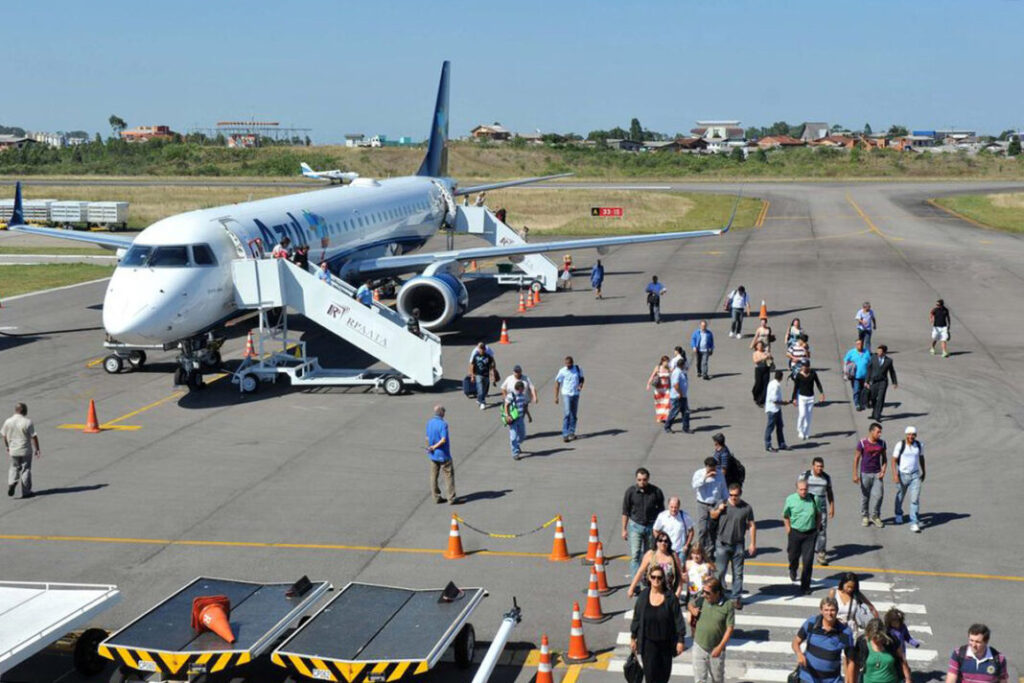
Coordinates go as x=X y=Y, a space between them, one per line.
x=294 y=230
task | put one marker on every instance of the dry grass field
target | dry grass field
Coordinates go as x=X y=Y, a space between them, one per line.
x=1003 y=211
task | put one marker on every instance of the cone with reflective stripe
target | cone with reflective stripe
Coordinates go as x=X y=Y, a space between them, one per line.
x=529 y=300
x=454 y=551
x=578 y=651
x=592 y=541
x=472 y=265
x=536 y=295
x=211 y=613
x=764 y=310
x=92 y=425
x=602 y=575
x=250 y=351
x=593 y=612
x=544 y=663
x=504 y=333
x=559 y=550
x=522 y=304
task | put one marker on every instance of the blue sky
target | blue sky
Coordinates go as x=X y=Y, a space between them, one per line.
x=340 y=67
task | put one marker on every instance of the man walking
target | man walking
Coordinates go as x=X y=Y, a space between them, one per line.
x=880 y=371
x=702 y=342
x=819 y=485
x=439 y=449
x=716 y=618
x=568 y=384
x=734 y=517
x=708 y=484
x=679 y=385
x=655 y=290
x=509 y=385
x=802 y=517
x=908 y=474
x=481 y=367
x=869 y=472
x=867 y=322
x=641 y=506
x=721 y=454
x=677 y=524
x=828 y=641
x=773 y=414
x=803 y=398
x=736 y=303
x=515 y=410
x=855 y=369
x=977 y=661
x=19 y=435
x=597 y=278
x=940 y=327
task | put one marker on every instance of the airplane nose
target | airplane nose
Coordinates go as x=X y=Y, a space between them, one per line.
x=131 y=312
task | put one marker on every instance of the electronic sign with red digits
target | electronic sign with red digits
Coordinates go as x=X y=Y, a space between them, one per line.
x=606 y=211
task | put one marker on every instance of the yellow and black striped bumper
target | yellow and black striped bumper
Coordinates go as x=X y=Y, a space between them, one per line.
x=351 y=672
x=174 y=662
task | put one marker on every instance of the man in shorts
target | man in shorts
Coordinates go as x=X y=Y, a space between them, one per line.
x=940 y=327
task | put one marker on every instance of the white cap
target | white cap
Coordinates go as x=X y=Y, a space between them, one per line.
x=910 y=430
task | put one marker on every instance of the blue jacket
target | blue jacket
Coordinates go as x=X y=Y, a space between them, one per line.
x=597 y=275
x=695 y=340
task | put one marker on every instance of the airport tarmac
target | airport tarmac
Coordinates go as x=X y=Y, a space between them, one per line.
x=332 y=483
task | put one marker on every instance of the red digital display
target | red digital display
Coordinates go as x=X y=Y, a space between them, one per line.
x=606 y=211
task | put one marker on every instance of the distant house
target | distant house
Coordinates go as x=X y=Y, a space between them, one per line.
x=535 y=138
x=774 y=141
x=145 y=133
x=354 y=139
x=15 y=141
x=625 y=145
x=814 y=130
x=836 y=141
x=494 y=132
x=685 y=145
x=721 y=136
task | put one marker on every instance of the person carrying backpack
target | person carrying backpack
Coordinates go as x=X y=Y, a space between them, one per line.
x=977 y=661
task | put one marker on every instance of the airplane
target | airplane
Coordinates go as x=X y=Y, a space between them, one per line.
x=172 y=287
x=335 y=175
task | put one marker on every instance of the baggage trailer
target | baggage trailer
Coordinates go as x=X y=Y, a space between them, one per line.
x=36 y=616
x=161 y=644
x=370 y=632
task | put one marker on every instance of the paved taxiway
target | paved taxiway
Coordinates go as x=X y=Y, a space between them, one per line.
x=333 y=483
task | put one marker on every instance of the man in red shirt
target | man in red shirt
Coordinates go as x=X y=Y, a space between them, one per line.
x=869 y=471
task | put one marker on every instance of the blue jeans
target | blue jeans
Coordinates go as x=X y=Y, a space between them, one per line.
x=857 y=388
x=911 y=483
x=641 y=539
x=570 y=404
x=516 y=434
x=865 y=336
x=724 y=554
x=483 y=385
x=703 y=363
x=680 y=406
x=773 y=423
x=737 y=321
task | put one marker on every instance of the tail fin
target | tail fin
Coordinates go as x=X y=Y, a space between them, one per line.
x=435 y=164
x=18 y=216
x=305 y=167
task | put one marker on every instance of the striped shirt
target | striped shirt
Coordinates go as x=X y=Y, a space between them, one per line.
x=824 y=650
x=991 y=668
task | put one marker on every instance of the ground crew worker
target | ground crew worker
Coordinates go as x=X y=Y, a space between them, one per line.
x=20 y=439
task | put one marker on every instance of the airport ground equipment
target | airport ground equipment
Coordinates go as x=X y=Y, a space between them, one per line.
x=369 y=632
x=268 y=284
x=479 y=221
x=161 y=645
x=70 y=213
x=37 y=616
x=509 y=621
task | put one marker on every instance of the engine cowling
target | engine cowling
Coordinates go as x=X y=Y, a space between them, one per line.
x=441 y=298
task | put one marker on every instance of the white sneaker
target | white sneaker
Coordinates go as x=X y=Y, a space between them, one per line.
x=899 y=519
x=915 y=528
x=483 y=406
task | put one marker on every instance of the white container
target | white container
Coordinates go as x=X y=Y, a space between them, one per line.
x=108 y=213
x=69 y=212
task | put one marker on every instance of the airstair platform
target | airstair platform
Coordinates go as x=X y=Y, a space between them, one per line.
x=480 y=221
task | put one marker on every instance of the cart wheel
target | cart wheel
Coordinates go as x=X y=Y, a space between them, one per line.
x=179 y=376
x=249 y=383
x=213 y=361
x=112 y=364
x=393 y=385
x=536 y=286
x=465 y=646
x=87 y=657
x=137 y=359
x=195 y=380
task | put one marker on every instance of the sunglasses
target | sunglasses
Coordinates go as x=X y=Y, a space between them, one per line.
x=662 y=540
x=657 y=577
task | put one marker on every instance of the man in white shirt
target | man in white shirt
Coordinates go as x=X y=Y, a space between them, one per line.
x=678 y=525
x=773 y=413
x=679 y=385
x=708 y=484
x=867 y=322
x=908 y=474
x=738 y=302
x=20 y=440
x=509 y=385
x=568 y=384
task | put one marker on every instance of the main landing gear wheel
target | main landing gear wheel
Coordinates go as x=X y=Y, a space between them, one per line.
x=137 y=359
x=393 y=385
x=87 y=657
x=465 y=646
x=113 y=364
x=213 y=361
x=179 y=376
x=249 y=384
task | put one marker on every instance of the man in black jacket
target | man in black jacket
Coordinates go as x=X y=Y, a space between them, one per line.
x=641 y=505
x=880 y=369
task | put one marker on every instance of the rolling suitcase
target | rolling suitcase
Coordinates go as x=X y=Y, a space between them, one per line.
x=469 y=387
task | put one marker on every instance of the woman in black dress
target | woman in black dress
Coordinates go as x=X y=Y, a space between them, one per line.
x=763 y=365
x=657 y=629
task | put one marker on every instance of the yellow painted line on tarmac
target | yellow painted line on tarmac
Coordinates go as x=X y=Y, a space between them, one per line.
x=871 y=225
x=105 y=427
x=762 y=213
x=94 y=362
x=958 y=215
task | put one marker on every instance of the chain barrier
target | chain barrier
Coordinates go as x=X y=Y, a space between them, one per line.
x=489 y=534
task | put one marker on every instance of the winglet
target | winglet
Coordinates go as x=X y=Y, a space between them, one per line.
x=18 y=216
x=735 y=207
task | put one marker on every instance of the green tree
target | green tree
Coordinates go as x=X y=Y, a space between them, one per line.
x=117 y=124
x=596 y=135
x=518 y=142
x=867 y=129
x=1007 y=134
x=855 y=155
x=738 y=155
x=896 y=130
x=1014 y=149
x=636 y=131
x=761 y=156
x=617 y=133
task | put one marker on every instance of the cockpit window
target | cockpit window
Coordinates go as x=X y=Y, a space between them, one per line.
x=169 y=257
x=136 y=256
x=202 y=255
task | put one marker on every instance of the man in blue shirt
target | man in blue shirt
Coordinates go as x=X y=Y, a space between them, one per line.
x=678 y=385
x=364 y=294
x=568 y=383
x=324 y=273
x=702 y=342
x=597 y=278
x=828 y=639
x=856 y=360
x=439 y=450
x=655 y=290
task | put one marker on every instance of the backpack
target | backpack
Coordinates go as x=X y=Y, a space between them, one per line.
x=961 y=653
x=735 y=472
x=849 y=370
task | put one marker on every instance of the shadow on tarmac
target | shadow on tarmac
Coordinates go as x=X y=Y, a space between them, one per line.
x=481 y=495
x=845 y=550
x=930 y=519
x=70 y=489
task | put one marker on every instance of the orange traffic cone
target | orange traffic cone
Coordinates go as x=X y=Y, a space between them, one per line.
x=592 y=541
x=536 y=296
x=210 y=613
x=454 y=551
x=578 y=651
x=602 y=575
x=376 y=294
x=522 y=304
x=472 y=265
x=593 y=612
x=92 y=425
x=764 y=310
x=250 y=351
x=544 y=663
x=559 y=550
x=504 y=334
x=529 y=300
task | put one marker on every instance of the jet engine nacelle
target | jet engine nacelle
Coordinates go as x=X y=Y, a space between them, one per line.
x=441 y=298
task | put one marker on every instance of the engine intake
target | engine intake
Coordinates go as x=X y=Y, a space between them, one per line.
x=441 y=298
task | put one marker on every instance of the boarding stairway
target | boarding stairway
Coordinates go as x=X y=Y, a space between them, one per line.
x=479 y=221
x=264 y=284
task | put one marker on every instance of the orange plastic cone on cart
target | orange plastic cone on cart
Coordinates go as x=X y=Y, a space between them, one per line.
x=578 y=651
x=593 y=540
x=544 y=663
x=522 y=304
x=454 y=551
x=559 y=550
x=250 y=351
x=764 y=310
x=599 y=569
x=529 y=300
x=92 y=425
x=210 y=613
x=593 y=612
x=504 y=333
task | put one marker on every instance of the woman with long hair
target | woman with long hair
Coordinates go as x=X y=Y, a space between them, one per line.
x=659 y=382
x=763 y=365
x=878 y=656
x=657 y=632
x=855 y=610
x=662 y=556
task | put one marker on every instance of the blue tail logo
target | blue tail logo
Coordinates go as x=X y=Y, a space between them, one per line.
x=18 y=215
x=435 y=163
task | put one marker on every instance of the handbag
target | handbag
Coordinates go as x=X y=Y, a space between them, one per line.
x=631 y=670
x=794 y=675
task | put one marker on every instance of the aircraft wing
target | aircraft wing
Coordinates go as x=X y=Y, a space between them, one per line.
x=102 y=240
x=508 y=183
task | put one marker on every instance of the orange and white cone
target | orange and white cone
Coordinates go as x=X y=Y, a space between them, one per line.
x=454 y=551
x=536 y=296
x=522 y=304
x=599 y=569
x=92 y=425
x=472 y=265
x=763 y=313
x=592 y=541
x=578 y=651
x=559 y=550
x=376 y=294
x=593 y=612
x=250 y=350
x=529 y=300
x=504 y=333
x=544 y=663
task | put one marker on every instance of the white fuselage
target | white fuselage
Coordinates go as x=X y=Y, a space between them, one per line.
x=175 y=280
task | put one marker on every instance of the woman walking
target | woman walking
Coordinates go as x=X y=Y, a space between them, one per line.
x=763 y=334
x=794 y=332
x=855 y=610
x=878 y=656
x=763 y=365
x=661 y=556
x=657 y=630
x=659 y=382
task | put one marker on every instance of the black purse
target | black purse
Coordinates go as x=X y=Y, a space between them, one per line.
x=794 y=675
x=632 y=670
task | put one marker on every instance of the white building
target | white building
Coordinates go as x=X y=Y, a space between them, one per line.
x=721 y=136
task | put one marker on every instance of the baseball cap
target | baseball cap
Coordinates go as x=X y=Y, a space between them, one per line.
x=910 y=430
x=517 y=368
